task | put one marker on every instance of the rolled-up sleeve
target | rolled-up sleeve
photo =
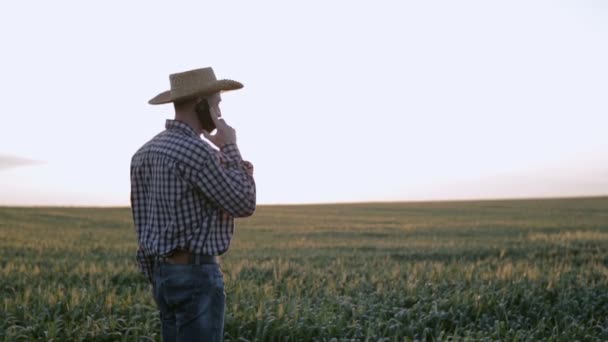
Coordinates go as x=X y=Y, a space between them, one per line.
x=223 y=179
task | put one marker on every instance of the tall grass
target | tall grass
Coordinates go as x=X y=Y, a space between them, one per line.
x=495 y=270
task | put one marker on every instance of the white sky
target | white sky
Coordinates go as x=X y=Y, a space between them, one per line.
x=344 y=101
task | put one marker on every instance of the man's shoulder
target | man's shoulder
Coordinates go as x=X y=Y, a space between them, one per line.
x=142 y=150
x=179 y=147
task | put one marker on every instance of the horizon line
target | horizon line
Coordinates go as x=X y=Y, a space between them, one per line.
x=497 y=199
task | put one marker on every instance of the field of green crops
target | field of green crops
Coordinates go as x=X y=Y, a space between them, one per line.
x=495 y=270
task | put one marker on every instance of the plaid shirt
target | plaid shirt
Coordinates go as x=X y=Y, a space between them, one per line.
x=185 y=194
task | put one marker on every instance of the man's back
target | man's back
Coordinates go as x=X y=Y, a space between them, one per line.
x=185 y=194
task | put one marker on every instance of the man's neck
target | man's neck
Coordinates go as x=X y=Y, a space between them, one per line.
x=190 y=119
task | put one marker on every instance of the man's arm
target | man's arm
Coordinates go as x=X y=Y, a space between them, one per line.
x=225 y=179
x=145 y=264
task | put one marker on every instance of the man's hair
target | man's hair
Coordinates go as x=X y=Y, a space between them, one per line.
x=181 y=104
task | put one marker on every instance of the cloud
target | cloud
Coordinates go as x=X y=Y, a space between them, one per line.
x=9 y=162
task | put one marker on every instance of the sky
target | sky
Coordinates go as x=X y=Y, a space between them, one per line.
x=344 y=101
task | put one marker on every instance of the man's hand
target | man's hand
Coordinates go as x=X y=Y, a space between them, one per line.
x=224 y=133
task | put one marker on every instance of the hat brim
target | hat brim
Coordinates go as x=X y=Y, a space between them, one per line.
x=213 y=87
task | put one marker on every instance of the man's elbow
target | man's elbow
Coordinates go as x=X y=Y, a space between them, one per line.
x=247 y=209
x=250 y=207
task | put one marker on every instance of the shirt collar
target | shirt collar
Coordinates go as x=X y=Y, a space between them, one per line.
x=176 y=124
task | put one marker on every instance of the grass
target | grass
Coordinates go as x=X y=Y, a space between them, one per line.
x=491 y=270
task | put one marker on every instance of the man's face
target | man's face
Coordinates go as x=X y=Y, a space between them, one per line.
x=214 y=103
x=203 y=108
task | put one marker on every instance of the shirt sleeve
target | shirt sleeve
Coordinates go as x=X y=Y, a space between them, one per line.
x=145 y=263
x=223 y=178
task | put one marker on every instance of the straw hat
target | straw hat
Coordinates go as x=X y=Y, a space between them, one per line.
x=189 y=84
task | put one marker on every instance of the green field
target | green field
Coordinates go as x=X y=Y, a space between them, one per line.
x=494 y=270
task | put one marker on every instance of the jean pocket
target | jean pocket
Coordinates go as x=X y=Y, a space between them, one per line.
x=195 y=300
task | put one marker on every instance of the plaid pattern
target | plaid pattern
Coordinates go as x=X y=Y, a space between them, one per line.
x=185 y=194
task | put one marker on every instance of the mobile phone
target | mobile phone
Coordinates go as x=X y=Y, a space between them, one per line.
x=204 y=115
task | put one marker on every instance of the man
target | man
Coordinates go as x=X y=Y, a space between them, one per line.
x=185 y=195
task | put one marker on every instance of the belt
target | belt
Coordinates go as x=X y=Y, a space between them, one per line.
x=184 y=257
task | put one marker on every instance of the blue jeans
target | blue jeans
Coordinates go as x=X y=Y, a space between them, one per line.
x=191 y=301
